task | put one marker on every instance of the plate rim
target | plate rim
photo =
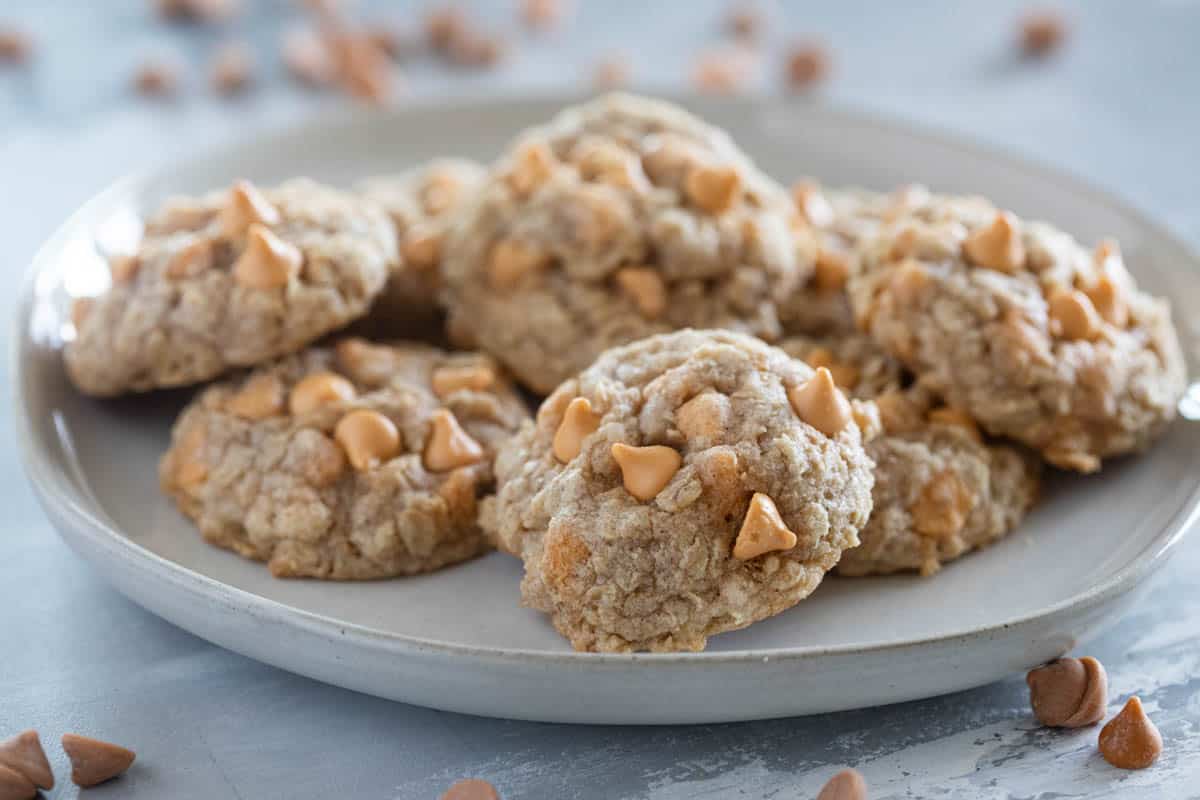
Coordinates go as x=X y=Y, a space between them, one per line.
x=56 y=491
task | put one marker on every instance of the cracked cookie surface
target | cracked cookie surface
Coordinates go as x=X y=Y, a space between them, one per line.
x=672 y=491
x=1020 y=326
x=620 y=218
x=423 y=203
x=353 y=462
x=231 y=279
x=940 y=491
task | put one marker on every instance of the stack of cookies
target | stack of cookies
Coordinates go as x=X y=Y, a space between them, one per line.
x=730 y=389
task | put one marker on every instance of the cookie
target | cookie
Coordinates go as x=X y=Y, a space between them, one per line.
x=684 y=485
x=621 y=218
x=423 y=203
x=231 y=279
x=353 y=462
x=839 y=219
x=940 y=490
x=1022 y=328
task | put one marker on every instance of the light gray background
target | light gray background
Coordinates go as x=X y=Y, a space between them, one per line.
x=1120 y=106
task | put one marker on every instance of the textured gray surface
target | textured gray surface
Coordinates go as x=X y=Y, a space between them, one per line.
x=1119 y=106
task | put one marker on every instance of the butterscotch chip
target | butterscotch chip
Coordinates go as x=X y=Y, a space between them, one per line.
x=807 y=65
x=942 y=507
x=578 y=423
x=513 y=259
x=190 y=261
x=471 y=789
x=645 y=524
x=451 y=379
x=449 y=446
x=156 y=79
x=308 y=58
x=1130 y=740
x=349 y=484
x=319 y=390
x=532 y=165
x=15 y=786
x=368 y=437
x=713 y=188
x=849 y=784
x=722 y=71
x=473 y=48
x=15 y=46
x=23 y=753
x=645 y=288
x=1042 y=32
x=1068 y=692
x=246 y=206
x=122 y=268
x=745 y=21
x=422 y=249
x=197 y=10
x=232 y=69
x=1072 y=315
x=762 y=531
x=997 y=246
x=1108 y=302
x=542 y=14
x=262 y=396
x=946 y=415
x=844 y=374
x=611 y=72
x=819 y=403
x=363 y=67
x=646 y=470
x=909 y=280
x=268 y=262
x=444 y=26
x=94 y=761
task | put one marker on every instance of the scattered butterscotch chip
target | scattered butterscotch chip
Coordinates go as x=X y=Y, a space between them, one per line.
x=831 y=270
x=1072 y=315
x=1108 y=301
x=611 y=72
x=713 y=188
x=444 y=26
x=542 y=14
x=646 y=470
x=268 y=261
x=365 y=70
x=368 y=437
x=197 y=10
x=807 y=64
x=705 y=416
x=947 y=415
x=577 y=424
x=259 y=398
x=471 y=789
x=512 y=259
x=996 y=246
x=156 y=79
x=762 y=531
x=421 y=249
x=473 y=377
x=94 y=761
x=15 y=46
x=191 y=260
x=15 y=785
x=1042 y=32
x=1130 y=740
x=233 y=69
x=24 y=754
x=1069 y=692
x=820 y=403
x=449 y=446
x=472 y=48
x=246 y=206
x=848 y=784
x=392 y=40
x=723 y=71
x=308 y=58
x=319 y=390
x=745 y=21
x=645 y=288
x=941 y=508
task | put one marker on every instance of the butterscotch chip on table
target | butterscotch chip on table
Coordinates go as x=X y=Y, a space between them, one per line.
x=353 y=462
x=849 y=784
x=621 y=218
x=940 y=491
x=94 y=761
x=673 y=491
x=231 y=279
x=23 y=753
x=1130 y=740
x=1035 y=336
x=807 y=65
x=1068 y=692
x=423 y=203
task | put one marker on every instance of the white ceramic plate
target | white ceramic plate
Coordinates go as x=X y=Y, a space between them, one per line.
x=458 y=639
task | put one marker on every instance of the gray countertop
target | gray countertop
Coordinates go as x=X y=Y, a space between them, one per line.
x=1119 y=106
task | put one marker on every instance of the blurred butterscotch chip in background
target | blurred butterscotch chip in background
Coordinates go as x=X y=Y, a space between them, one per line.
x=745 y=21
x=724 y=70
x=1042 y=32
x=307 y=58
x=15 y=46
x=233 y=68
x=156 y=78
x=543 y=15
x=611 y=72
x=806 y=65
x=197 y=10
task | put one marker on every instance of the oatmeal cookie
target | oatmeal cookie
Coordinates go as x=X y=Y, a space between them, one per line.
x=940 y=489
x=1021 y=327
x=231 y=279
x=619 y=219
x=423 y=203
x=684 y=485
x=353 y=462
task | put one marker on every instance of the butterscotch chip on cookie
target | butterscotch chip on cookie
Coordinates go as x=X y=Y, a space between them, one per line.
x=423 y=203
x=940 y=491
x=231 y=279
x=353 y=462
x=619 y=219
x=1017 y=324
x=673 y=491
